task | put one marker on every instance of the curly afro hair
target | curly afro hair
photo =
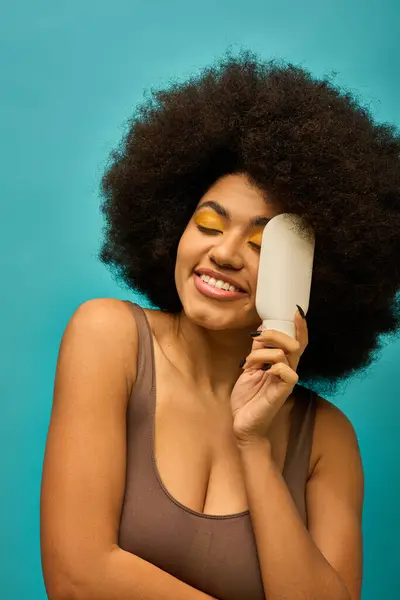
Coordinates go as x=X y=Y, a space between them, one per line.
x=306 y=143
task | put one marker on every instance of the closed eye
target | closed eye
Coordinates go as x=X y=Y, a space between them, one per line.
x=211 y=231
x=207 y=229
x=255 y=246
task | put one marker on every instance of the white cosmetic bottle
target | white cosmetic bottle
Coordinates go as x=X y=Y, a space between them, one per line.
x=285 y=272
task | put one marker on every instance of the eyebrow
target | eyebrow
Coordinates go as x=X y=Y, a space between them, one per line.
x=254 y=222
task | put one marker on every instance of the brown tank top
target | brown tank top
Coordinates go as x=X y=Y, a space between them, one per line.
x=216 y=554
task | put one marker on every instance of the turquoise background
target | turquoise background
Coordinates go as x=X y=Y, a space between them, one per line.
x=71 y=73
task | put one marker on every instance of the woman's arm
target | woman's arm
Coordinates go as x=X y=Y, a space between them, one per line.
x=325 y=561
x=84 y=468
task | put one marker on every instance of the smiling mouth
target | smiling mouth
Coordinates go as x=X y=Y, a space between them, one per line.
x=219 y=284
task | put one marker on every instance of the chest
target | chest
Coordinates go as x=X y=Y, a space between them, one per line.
x=195 y=450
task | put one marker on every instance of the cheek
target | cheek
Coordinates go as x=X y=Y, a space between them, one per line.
x=183 y=249
x=185 y=256
x=180 y=254
x=190 y=248
x=253 y=274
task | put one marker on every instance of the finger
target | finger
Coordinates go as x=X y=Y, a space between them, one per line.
x=285 y=373
x=276 y=339
x=257 y=358
x=301 y=329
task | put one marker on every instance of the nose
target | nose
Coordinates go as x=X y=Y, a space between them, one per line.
x=226 y=254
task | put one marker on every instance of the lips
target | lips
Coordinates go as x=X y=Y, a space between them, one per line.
x=217 y=275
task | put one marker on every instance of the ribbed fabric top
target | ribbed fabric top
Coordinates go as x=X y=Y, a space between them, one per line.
x=214 y=553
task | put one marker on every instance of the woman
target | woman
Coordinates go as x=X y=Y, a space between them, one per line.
x=184 y=459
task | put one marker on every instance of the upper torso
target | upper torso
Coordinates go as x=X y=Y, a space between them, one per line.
x=185 y=506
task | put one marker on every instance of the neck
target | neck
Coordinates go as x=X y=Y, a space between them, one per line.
x=208 y=357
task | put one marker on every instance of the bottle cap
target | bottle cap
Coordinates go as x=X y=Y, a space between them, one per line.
x=287 y=327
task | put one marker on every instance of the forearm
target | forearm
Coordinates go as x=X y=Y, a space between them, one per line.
x=291 y=564
x=125 y=576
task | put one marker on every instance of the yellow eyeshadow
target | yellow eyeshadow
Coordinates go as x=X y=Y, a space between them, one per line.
x=210 y=220
x=256 y=238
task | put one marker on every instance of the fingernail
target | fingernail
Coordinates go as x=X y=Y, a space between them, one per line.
x=266 y=367
x=255 y=333
x=242 y=363
x=301 y=311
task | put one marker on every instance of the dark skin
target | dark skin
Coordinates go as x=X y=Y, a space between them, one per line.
x=258 y=396
x=197 y=356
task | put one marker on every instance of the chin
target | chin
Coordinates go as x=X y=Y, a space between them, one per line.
x=218 y=316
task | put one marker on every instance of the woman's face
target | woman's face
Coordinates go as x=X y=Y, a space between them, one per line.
x=223 y=235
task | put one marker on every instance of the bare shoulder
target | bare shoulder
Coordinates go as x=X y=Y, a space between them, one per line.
x=332 y=426
x=105 y=322
x=104 y=315
x=335 y=441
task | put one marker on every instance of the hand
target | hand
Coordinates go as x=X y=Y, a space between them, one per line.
x=258 y=395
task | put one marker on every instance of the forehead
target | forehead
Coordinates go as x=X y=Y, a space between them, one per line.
x=239 y=197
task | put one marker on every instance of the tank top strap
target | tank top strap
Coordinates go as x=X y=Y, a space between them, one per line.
x=301 y=433
x=145 y=376
x=302 y=420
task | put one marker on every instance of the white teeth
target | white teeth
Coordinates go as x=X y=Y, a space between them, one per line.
x=219 y=283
